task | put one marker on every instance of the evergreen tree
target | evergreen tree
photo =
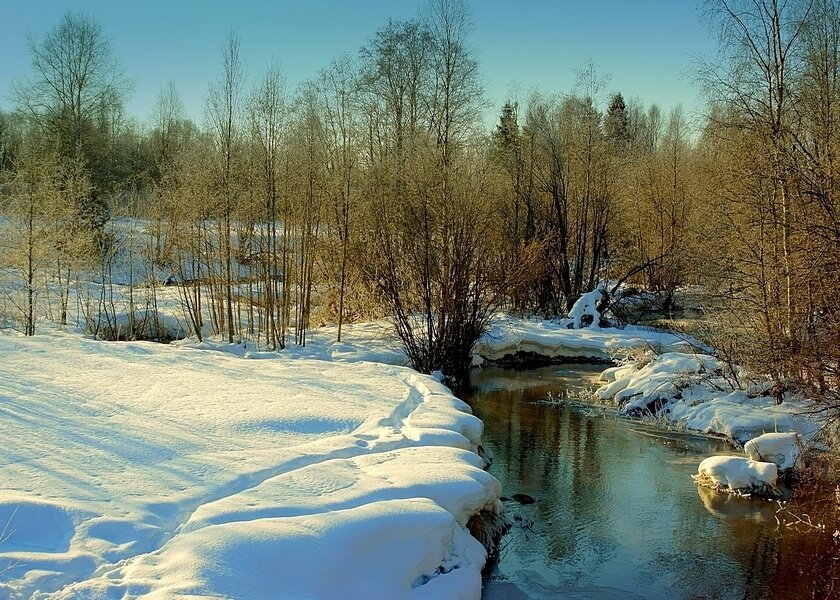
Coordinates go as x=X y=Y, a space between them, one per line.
x=616 y=123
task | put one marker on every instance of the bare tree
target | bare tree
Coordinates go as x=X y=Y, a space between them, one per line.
x=30 y=210
x=431 y=265
x=267 y=108
x=223 y=116
x=76 y=81
x=338 y=90
x=754 y=82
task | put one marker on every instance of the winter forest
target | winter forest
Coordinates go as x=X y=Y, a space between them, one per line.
x=374 y=190
x=377 y=192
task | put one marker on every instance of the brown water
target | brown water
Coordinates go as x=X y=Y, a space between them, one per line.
x=617 y=514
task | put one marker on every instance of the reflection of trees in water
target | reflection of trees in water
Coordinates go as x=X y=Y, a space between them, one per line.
x=776 y=561
x=607 y=495
x=549 y=452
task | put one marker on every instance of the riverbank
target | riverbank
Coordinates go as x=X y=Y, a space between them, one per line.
x=184 y=469
x=665 y=376
x=140 y=468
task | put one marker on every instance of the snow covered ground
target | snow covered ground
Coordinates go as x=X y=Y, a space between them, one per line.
x=324 y=471
x=508 y=335
x=141 y=469
x=692 y=391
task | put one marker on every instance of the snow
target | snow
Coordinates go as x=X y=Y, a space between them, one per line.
x=321 y=471
x=690 y=390
x=587 y=306
x=509 y=335
x=679 y=384
x=782 y=449
x=736 y=474
x=140 y=469
x=375 y=341
x=635 y=389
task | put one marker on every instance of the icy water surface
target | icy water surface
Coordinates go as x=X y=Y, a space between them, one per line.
x=617 y=514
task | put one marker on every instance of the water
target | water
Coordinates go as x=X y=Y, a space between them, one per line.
x=617 y=514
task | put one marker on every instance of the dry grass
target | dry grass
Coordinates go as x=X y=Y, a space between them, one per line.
x=488 y=526
x=764 y=491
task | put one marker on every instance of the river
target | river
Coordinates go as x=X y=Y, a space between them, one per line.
x=616 y=513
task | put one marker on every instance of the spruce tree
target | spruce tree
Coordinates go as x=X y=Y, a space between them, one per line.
x=616 y=123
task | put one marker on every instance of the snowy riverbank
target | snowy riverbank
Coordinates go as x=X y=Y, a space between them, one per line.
x=507 y=337
x=138 y=468
x=694 y=391
x=669 y=377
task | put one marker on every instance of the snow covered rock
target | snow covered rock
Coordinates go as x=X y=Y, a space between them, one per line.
x=738 y=475
x=782 y=449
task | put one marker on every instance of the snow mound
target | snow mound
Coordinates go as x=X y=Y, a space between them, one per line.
x=782 y=449
x=737 y=475
x=584 y=312
x=408 y=548
x=637 y=390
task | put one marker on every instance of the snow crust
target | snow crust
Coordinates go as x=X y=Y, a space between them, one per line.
x=139 y=469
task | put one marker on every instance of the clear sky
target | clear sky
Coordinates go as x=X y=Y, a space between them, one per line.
x=645 y=47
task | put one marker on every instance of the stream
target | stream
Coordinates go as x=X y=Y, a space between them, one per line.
x=616 y=513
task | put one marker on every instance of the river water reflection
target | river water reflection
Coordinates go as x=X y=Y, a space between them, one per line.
x=617 y=514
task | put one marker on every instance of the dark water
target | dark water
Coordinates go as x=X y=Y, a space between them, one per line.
x=617 y=514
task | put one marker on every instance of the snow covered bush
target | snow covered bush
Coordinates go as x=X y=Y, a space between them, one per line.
x=589 y=308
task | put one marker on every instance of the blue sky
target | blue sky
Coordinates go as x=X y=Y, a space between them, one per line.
x=645 y=47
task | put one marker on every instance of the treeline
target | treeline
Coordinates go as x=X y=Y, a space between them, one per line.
x=373 y=189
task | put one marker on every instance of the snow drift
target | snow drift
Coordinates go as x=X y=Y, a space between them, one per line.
x=738 y=475
x=142 y=469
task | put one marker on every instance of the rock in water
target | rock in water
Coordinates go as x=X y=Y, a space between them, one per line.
x=524 y=498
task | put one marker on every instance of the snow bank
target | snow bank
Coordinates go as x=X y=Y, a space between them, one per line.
x=691 y=391
x=782 y=449
x=141 y=469
x=737 y=475
x=638 y=389
x=509 y=335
